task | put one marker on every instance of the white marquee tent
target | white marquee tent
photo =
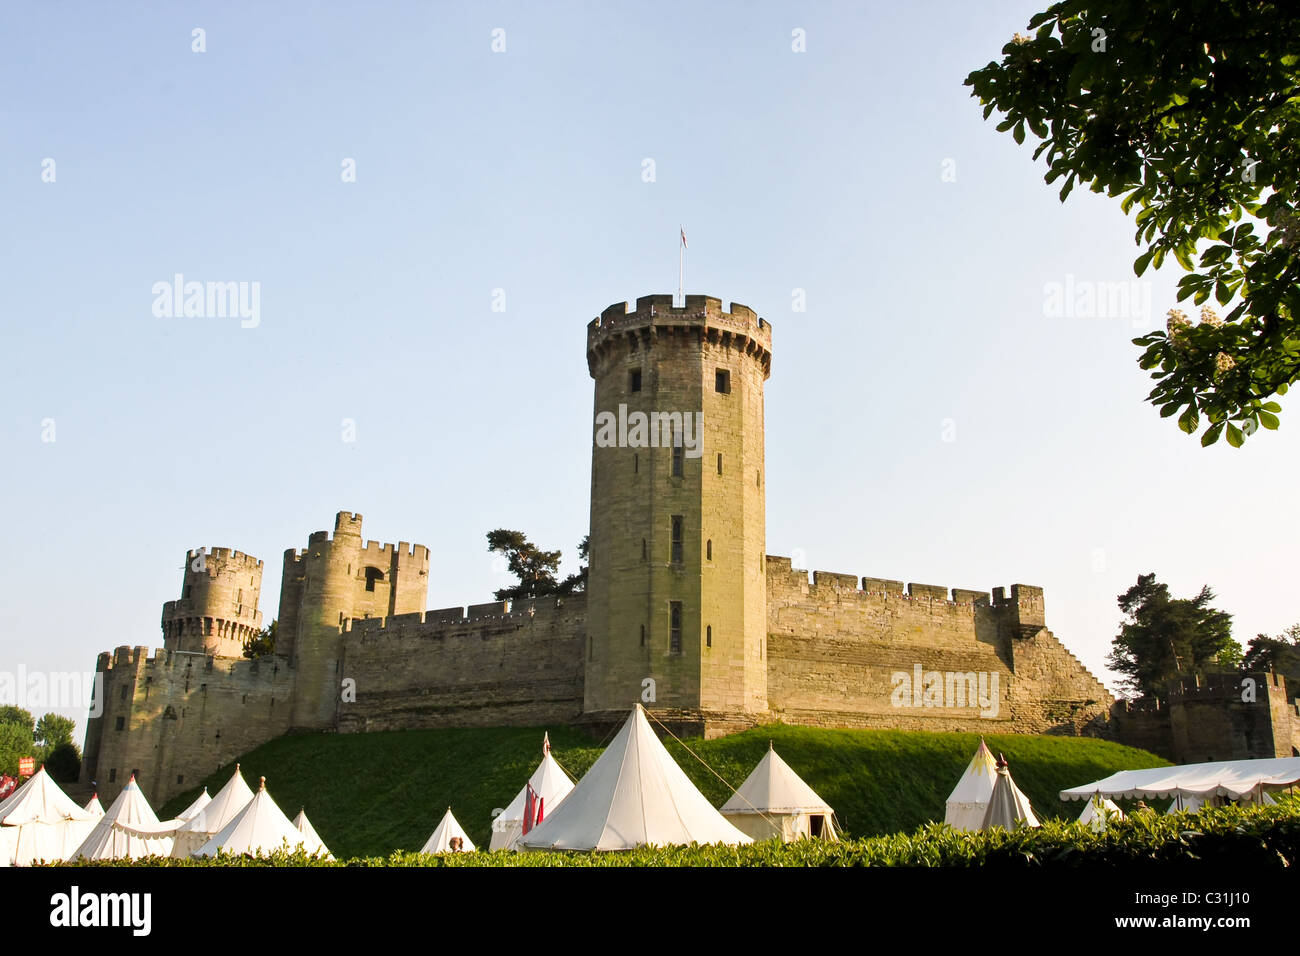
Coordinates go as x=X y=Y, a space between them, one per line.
x=94 y=807
x=775 y=803
x=108 y=841
x=42 y=822
x=1008 y=807
x=549 y=782
x=440 y=840
x=259 y=828
x=1233 y=779
x=970 y=798
x=633 y=794
x=311 y=841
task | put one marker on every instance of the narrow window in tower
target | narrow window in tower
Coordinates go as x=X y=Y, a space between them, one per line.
x=634 y=380
x=643 y=635
x=187 y=591
x=675 y=627
x=677 y=539
x=722 y=381
x=758 y=479
x=719 y=462
x=636 y=464
x=708 y=636
x=678 y=454
x=121 y=723
x=643 y=549
x=373 y=575
x=124 y=692
x=708 y=550
x=591 y=648
x=112 y=775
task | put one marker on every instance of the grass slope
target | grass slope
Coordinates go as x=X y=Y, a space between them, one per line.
x=371 y=794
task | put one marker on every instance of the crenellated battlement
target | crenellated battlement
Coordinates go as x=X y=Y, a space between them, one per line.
x=215 y=558
x=435 y=621
x=655 y=316
x=781 y=574
x=133 y=662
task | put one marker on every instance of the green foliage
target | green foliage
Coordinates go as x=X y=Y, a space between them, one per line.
x=1166 y=637
x=534 y=567
x=18 y=717
x=375 y=793
x=1222 y=840
x=15 y=741
x=1191 y=113
x=262 y=643
x=54 y=729
x=1280 y=654
x=63 y=762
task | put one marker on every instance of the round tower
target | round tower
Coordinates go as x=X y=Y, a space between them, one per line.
x=217 y=610
x=677 y=585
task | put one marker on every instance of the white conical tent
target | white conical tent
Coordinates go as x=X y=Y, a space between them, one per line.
x=311 y=841
x=259 y=829
x=94 y=807
x=200 y=802
x=775 y=803
x=634 y=794
x=109 y=841
x=194 y=833
x=970 y=798
x=1098 y=812
x=1008 y=807
x=44 y=822
x=549 y=782
x=440 y=839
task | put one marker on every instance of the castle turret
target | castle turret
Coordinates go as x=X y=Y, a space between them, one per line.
x=332 y=581
x=677 y=586
x=217 y=610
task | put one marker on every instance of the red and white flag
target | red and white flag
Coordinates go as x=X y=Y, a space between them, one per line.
x=7 y=785
x=684 y=245
x=546 y=744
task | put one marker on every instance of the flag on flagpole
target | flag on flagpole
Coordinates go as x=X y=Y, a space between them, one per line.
x=546 y=744
x=684 y=245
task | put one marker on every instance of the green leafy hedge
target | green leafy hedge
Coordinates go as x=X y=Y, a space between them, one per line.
x=1266 y=837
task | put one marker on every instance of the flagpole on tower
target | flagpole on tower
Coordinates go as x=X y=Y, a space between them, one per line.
x=681 y=268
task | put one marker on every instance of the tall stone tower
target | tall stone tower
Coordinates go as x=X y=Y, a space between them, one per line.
x=217 y=610
x=333 y=580
x=677 y=588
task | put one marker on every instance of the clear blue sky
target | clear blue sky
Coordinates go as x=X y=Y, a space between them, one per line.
x=522 y=171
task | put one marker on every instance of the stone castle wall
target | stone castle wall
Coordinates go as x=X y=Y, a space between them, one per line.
x=838 y=645
x=175 y=717
x=514 y=663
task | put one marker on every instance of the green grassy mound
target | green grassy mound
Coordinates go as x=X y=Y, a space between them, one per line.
x=373 y=794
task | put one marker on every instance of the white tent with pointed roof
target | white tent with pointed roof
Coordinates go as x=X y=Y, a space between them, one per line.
x=109 y=841
x=260 y=828
x=200 y=802
x=550 y=784
x=1008 y=807
x=440 y=839
x=634 y=794
x=311 y=841
x=194 y=833
x=970 y=798
x=94 y=807
x=775 y=803
x=1100 y=811
x=44 y=823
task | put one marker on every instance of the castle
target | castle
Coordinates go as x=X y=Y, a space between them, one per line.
x=683 y=610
